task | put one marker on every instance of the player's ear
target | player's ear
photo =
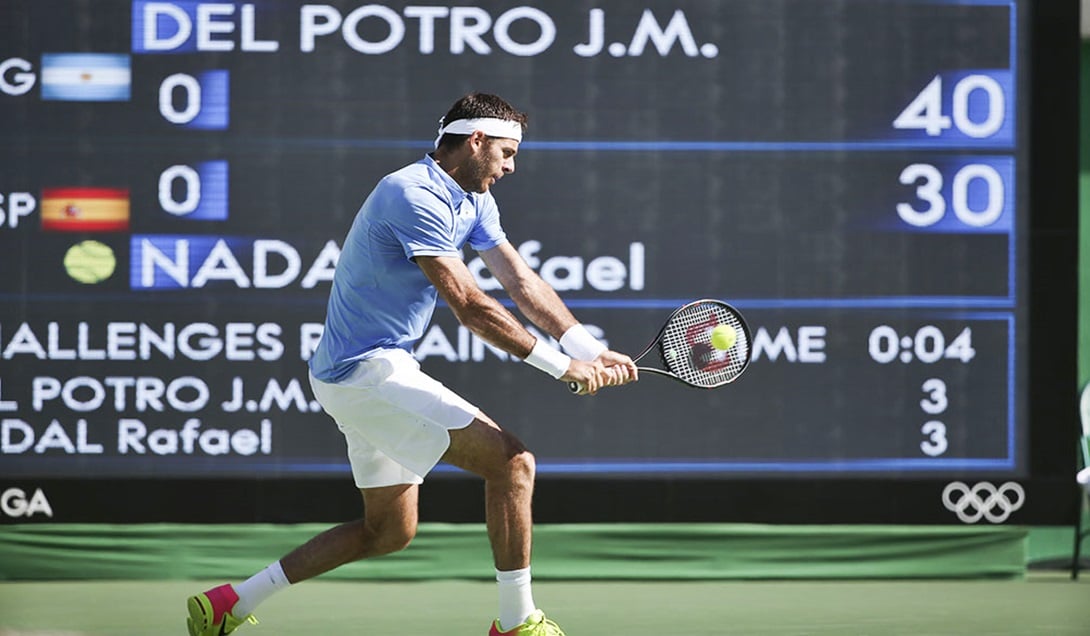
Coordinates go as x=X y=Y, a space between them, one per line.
x=476 y=140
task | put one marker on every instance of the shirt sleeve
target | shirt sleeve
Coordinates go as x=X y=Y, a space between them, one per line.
x=424 y=224
x=487 y=233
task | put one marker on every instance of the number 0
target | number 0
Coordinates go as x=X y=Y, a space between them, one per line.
x=996 y=106
x=192 y=181
x=191 y=92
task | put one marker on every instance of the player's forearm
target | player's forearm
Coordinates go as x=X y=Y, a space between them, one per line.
x=490 y=321
x=543 y=306
x=540 y=303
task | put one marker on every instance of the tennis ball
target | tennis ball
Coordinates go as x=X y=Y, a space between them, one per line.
x=724 y=337
x=89 y=262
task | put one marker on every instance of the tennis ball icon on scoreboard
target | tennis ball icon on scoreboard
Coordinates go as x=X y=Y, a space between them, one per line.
x=89 y=262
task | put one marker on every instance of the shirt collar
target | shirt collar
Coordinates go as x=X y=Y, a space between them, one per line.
x=457 y=194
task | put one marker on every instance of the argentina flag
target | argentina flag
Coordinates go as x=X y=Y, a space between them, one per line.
x=86 y=77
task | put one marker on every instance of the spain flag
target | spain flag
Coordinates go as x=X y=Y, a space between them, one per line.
x=85 y=209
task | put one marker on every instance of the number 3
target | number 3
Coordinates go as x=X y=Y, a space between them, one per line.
x=935 y=444
x=936 y=401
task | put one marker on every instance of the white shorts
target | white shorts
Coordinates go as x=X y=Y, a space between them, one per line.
x=395 y=418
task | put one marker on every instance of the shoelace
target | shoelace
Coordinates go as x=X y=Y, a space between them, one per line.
x=547 y=628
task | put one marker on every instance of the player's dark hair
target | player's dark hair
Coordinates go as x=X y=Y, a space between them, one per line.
x=477 y=105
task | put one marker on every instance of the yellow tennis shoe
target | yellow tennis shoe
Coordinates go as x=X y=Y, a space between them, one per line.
x=210 y=612
x=536 y=625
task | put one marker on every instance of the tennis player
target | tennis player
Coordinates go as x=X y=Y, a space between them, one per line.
x=404 y=250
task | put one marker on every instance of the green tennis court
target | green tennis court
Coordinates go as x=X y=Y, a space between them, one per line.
x=601 y=579
x=1043 y=604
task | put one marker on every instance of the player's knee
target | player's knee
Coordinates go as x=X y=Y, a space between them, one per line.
x=391 y=537
x=522 y=467
x=400 y=539
x=401 y=535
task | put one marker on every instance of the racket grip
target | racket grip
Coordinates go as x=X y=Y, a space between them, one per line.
x=575 y=387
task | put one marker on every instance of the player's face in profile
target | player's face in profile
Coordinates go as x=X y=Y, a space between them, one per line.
x=494 y=158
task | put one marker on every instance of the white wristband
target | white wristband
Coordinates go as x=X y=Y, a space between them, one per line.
x=547 y=359
x=580 y=344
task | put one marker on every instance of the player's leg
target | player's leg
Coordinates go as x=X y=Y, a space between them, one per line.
x=366 y=415
x=508 y=469
x=388 y=525
x=484 y=449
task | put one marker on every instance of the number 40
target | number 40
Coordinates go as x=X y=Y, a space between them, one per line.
x=926 y=111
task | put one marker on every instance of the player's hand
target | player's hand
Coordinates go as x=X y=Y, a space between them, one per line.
x=591 y=376
x=621 y=368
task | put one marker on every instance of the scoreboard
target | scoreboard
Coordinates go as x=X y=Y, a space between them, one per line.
x=880 y=186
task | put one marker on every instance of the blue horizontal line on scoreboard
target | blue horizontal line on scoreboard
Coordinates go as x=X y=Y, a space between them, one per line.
x=590 y=467
x=571 y=467
x=881 y=302
x=545 y=466
x=885 y=302
x=877 y=145
x=260 y=144
x=985 y=3
x=643 y=145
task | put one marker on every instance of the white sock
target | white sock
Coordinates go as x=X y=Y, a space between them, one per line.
x=257 y=588
x=516 y=599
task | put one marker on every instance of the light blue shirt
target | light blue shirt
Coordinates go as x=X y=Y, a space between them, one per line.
x=380 y=298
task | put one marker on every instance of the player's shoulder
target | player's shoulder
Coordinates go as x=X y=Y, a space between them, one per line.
x=418 y=173
x=413 y=172
x=410 y=181
x=406 y=192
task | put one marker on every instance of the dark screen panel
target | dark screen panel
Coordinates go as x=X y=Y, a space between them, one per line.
x=856 y=177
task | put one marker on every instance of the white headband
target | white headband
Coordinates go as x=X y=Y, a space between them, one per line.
x=490 y=126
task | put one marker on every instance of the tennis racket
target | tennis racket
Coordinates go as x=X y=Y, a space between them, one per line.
x=684 y=346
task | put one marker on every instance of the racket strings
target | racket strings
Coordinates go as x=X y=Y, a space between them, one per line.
x=687 y=351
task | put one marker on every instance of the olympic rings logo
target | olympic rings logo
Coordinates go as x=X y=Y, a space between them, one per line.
x=983 y=500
